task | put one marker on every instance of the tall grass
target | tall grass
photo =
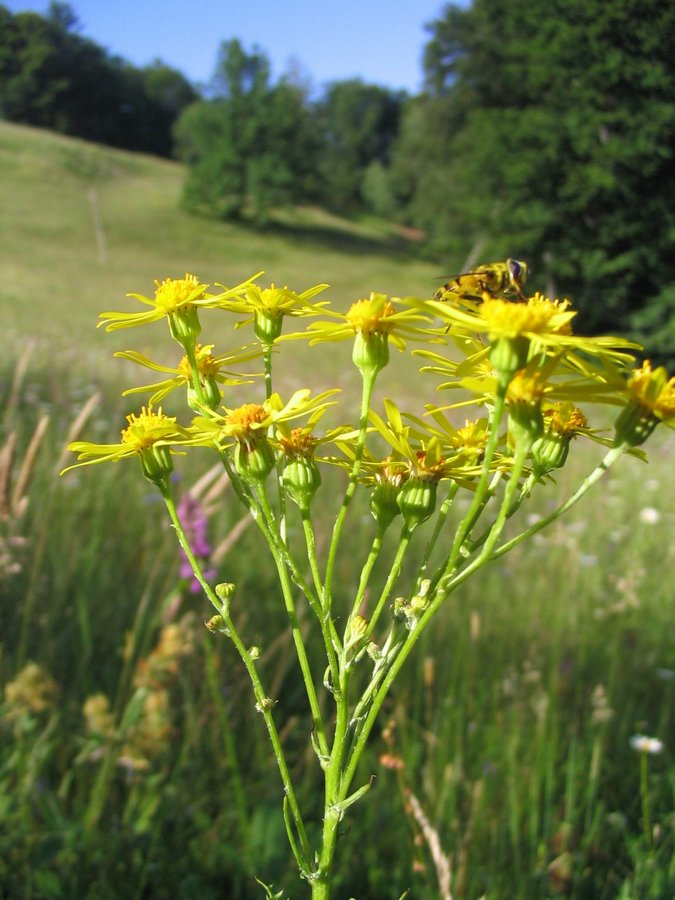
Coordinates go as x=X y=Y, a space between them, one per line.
x=506 y=756
x=132 y=761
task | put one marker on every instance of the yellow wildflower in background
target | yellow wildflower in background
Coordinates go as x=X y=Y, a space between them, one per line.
x=98 y=717
x=33 y=691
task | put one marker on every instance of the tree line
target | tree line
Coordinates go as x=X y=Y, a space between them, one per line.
x=52 y=77
x=545 y=131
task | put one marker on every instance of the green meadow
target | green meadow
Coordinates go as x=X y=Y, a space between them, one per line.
x=133 y=763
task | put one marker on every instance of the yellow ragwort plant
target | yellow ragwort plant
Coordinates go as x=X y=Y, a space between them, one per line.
x=514 y=359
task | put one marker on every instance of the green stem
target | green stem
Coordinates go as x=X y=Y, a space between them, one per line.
x=399 y=655
x=482 y=488
x=263 y=703
x=610 y=459
x=300 y=649
x=332 y=793
x=194 y=371
x=441 y=519
x=395 y=571
x=368 y=384
x=267 y=362
x=367 y=570
x=644 y=795
x=330 y=637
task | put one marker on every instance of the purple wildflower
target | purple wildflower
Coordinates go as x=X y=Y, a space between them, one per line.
x=195 y=524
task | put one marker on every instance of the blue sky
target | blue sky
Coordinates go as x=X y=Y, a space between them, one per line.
x=380 y=41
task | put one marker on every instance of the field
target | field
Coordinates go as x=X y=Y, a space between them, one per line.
x=132 y=760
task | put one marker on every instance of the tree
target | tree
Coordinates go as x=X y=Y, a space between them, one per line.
x=558 y=144
x=358 y=123
x=249 y=147
x=52 y=77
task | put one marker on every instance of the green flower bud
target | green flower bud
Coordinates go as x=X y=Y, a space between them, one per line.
x=254 y=463
x=216 y=624
x=156 y=463
x=301 y=480
x=508 y=355
x=184 y=325
x=417 y=501
x=634 y=424
x=225 y=590
x=550 y=452
x=267 y=326
x=210 y=392
x=370 y=353
x=383 y=503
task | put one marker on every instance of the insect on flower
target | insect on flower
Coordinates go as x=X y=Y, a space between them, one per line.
x=496 y=279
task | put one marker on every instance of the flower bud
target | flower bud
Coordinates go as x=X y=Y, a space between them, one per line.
x=254 y=462
x=267 y=325
x=184 y=325
x=524 y=395
x=210 y=392
x=215 y=624
x=417 y=500
x=383 y=503
x=508 y=355
x=301 y=480
x=156 y=463
x=370 y=353
x=634 y=424
x=550 y=452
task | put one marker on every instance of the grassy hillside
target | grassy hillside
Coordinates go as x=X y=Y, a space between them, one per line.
x=82 y=225
x=133 y=762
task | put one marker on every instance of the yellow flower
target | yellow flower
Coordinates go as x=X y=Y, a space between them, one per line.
x=538 y=316
x=246 y=423
x=464 y=443
x=544 y=323
x=266 y=307
x=32 y=691
x=653 y=390
x=148 y=436
x=651 y=399
x=175 y=299
x=376 y=315
x=566 y=376
x=98 y=716
x=211 y=369
x=171 y=296
x=424 y=451
x=565 y=419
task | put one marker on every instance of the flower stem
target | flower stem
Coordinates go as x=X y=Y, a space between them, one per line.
x=610 y=458
x=263 y=703
x=366 y=395
x=300 y=649
x=644 y=796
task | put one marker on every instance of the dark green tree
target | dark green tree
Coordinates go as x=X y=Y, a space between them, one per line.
x=33 y=77
x=358 y=123
x=250 y=145
x=52 y=77
x=548 y=132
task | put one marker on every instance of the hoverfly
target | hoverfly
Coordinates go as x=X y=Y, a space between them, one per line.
x=497 y=279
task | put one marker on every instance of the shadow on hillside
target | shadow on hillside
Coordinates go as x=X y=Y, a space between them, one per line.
x=342 y=240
